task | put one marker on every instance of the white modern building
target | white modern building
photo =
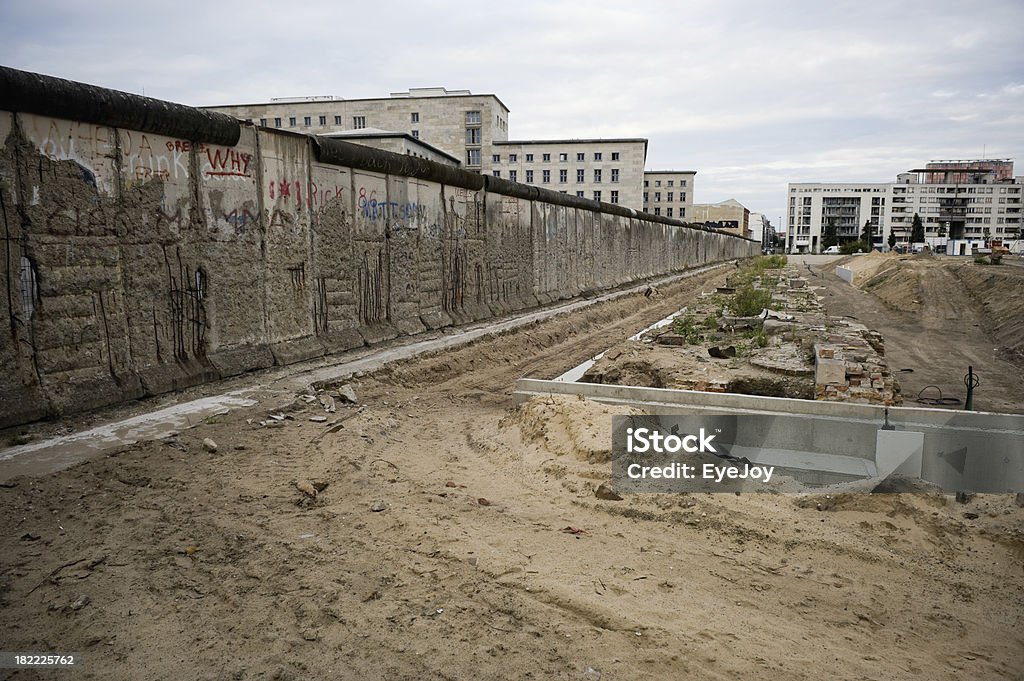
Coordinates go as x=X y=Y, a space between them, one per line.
x=964 y=201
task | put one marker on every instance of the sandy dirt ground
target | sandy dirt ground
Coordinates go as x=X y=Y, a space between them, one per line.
x=940 y=315
x=459 y=537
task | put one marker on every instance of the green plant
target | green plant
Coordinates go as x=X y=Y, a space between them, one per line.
x=711 y=322
x=758 y=338
x=980 y=260
x=749 y=301
x=685 y=327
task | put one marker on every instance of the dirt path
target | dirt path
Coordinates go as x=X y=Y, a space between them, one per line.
x=937 y=330
x=165 y=560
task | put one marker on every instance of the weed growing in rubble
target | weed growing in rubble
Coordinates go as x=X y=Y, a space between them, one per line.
x=711 y=322
x=758 y=338
x=685 y=327
x=749 y=301
x=769 y=262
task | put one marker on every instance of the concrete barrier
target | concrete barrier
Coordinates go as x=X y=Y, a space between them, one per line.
x=957 y=450
x=844 y=273
x=151 y=246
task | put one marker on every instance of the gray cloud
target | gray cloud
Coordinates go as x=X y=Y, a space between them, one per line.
x=752 y=95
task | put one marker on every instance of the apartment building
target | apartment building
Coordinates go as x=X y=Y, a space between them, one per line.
x=965 y=201
x=669 y=193
x=609 y=170
x=456 y=122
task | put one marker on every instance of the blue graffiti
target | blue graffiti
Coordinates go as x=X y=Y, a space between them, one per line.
x=382 y=210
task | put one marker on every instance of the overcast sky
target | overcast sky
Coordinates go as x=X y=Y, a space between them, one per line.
x=751 y=94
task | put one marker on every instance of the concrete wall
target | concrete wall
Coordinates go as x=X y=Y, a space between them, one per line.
x=137 y=262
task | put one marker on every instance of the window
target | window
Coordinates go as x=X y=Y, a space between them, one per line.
x=579 y=194
x=615 y=174
x=546 y=157
x=359 y=122
x=597 y=195
x=323 y=121
x=496 y=173
x=597 y=155
x=472 y=135
x=581 y=157
x=263 y=122
x=472 y=157
x=337 y=120
x=563 y=157
x=657 y=197
x=668 y=212
x=472 y=118
x=529 y=158
x=415 y=116
x=307 y=121
x=529 y=176
x=597 y=174
x=496 y=158
x=682 y=196
x=563 y=176
x=615 y=196
x=657 y=211
x=546 y=176
x=645 y=197
x=277 y=122
x=291 y=121
x=682 y=183
x=647 y=183
x=416 y=134
x=513 y=158
x=669 y=197
x=615 y=157
x=581 y=175
x=657 y=183
x=512 y=175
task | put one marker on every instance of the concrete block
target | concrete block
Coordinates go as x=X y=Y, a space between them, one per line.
x=900 y=452
x=296 y=350
x=829 y=371
x=238 y=360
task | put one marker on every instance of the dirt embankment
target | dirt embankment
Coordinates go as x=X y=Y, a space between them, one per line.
x=999 y=289
x=939 y=315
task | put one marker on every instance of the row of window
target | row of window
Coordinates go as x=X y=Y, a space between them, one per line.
x=562 y=157
x=563 y=175
x=668 y=212
x=957 y=190
x=668 y=183
x=668 y=197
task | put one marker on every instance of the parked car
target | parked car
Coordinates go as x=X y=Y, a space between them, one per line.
x=831 y=250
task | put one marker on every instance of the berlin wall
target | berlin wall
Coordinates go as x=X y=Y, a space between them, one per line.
x=149 y=246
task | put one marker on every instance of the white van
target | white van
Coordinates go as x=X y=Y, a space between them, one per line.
x=831 y=250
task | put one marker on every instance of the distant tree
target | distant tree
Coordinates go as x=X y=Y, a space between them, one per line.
x=892 y=239
x=865 y=236
x=917 y=230
x=986 y=233
x=830 y=235
x=942 y=230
